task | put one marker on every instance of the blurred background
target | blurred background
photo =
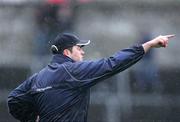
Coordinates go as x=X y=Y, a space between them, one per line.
x=147 y=92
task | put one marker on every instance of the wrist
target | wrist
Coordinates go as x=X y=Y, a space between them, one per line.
x=147 y=46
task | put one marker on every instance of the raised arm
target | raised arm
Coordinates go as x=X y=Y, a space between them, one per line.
x=160 y=41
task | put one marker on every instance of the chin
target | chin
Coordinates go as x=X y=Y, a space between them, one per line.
x=81 y=59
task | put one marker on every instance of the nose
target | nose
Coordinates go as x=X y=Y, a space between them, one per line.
x=82 y=52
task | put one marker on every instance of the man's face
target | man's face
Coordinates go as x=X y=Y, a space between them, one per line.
x=77 y=53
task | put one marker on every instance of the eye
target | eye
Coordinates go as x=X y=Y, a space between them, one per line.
x=79 y=47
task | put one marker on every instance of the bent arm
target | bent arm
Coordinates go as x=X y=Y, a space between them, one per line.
x=89 y=73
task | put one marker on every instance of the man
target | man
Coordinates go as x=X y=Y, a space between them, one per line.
x=60 y=92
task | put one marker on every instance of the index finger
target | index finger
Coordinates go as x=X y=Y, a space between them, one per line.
x=170 y=36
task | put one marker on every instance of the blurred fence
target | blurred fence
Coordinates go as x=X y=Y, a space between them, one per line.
x=111 y=25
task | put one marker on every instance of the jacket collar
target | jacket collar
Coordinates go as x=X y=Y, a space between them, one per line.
x=60 y=58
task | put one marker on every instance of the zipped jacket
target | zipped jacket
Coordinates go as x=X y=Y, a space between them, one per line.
x=61 y=90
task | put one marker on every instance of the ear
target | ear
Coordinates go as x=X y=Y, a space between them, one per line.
x=66 y=52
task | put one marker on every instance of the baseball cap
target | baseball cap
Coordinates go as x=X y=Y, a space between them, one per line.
x=66 y=40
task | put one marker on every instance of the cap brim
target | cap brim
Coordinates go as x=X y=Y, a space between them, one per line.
x=83 y=42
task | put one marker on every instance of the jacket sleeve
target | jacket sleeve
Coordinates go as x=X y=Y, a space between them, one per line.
x=88 y=73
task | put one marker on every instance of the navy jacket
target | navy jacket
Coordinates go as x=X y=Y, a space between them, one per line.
x=61 y=90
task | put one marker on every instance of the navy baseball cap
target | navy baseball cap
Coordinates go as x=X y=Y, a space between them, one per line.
x=65 y=41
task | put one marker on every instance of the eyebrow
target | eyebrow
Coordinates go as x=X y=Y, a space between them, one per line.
x=80 y=46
